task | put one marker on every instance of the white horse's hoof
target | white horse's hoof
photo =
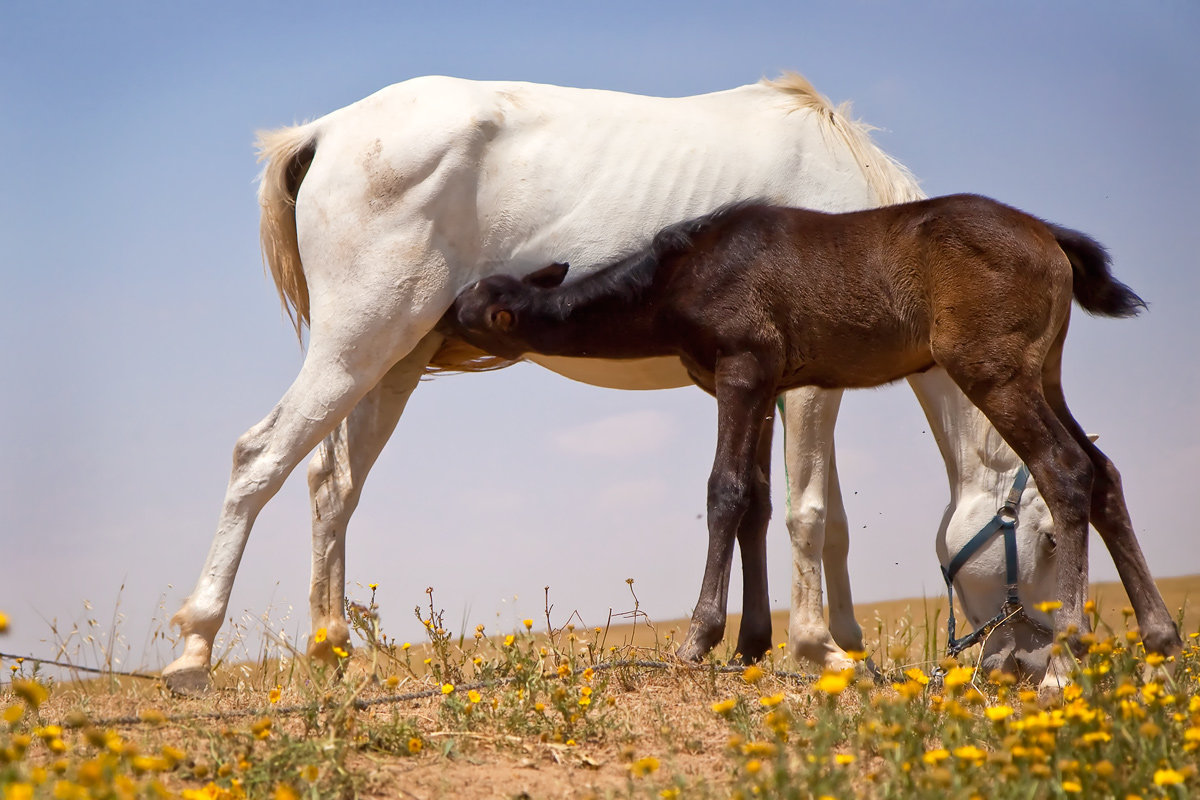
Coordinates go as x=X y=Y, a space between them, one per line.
x=188 y=682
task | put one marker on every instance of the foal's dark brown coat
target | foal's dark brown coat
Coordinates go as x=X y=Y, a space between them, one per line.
x=756 y=299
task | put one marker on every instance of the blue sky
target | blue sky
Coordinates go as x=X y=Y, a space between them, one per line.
x=141 y=337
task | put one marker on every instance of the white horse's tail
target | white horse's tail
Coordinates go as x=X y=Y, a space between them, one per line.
x=288 y=153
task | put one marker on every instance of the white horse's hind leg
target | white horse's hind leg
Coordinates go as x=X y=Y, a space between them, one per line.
x=335 y=479
x=331 y=381
x=809 y=417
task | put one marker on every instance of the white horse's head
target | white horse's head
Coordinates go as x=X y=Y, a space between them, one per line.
x=1020 y=638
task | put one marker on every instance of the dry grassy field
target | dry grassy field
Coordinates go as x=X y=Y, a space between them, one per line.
x=604 y=712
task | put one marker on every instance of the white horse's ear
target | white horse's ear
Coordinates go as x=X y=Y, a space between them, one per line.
x=547 y=277
x=1092 y=437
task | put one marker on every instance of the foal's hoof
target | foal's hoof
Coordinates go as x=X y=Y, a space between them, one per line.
x=189 y=682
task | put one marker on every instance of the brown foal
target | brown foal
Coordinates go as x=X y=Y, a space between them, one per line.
x=756 y=299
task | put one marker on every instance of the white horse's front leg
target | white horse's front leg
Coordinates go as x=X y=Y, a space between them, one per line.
x=336 y=475
x=847 y=633
x=809 y=416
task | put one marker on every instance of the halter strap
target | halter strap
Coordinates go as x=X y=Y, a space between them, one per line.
x=1005 y=523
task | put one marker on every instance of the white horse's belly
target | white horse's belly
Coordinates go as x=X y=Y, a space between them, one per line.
x=632 y=373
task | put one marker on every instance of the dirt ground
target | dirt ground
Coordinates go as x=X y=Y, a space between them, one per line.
x=665 y=713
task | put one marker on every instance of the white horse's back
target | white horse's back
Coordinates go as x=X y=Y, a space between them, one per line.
x=455 y=180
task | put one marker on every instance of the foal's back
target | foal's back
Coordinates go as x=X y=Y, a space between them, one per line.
x=861 y=299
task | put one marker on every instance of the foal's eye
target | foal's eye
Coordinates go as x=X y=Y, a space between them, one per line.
x=500 y=318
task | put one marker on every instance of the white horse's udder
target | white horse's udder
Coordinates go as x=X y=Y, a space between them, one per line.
x=635 y=373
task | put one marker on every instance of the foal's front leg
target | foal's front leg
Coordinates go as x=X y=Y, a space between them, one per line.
x=754 y=634
x=744 y=398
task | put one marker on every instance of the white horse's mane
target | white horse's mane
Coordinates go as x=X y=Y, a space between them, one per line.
x=890 y=180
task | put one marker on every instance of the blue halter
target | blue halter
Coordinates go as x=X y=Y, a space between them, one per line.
x=1005 y=523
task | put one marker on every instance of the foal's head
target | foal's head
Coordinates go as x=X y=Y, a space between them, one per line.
x=489 y=313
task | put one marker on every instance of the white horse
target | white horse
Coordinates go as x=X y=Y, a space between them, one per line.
x=376 y=215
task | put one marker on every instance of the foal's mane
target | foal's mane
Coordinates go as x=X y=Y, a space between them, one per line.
x=890 y=180
x=628 y=277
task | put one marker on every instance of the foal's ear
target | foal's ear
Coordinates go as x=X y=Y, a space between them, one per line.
x=547 y=277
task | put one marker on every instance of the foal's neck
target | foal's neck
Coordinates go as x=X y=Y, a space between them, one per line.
x=608 y=314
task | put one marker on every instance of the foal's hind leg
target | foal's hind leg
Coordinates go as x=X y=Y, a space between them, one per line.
x=1110 y=516
x=336 y=474
x=744 y=397
x=754 y=634
x=1020 y=413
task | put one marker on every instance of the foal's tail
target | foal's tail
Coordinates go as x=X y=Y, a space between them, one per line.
x=288 y=153
x=1095 y=288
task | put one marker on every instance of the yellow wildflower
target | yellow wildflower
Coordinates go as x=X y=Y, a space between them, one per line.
x=1072 y=787
x=310 y=773
x=508 y=640
x=321 y=635
x=149 y=764
x=753 y=766
x=844 y=758
x=1046 y=606
x=48 y=732
x=767 y=749
x=12 y=715
x=32 y=692
x=834 y=683
x=209 y=792
x=969 y=752
x=262 y=728
x=936 y=756
x=915 y=674
x=274 y=695
x=340 y=652
x=1168 y=777
x=778 y=721
x=725 y=706
x=752 y=674
x=958 y=676
x=415 y=745
x=528 y=624
x=447 y=688
x=474 y=696
x=998 y=713
x=771 y=701
x=284 y=792
x=644 y=766
x=3 y=622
